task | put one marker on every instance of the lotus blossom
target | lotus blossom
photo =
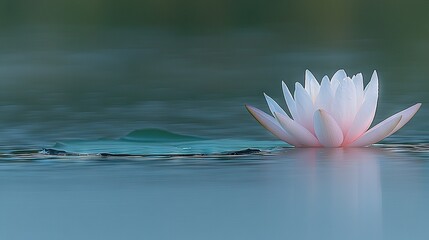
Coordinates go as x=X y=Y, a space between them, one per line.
x=335 y=113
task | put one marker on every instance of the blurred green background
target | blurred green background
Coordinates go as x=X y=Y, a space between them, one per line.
x=307 y=20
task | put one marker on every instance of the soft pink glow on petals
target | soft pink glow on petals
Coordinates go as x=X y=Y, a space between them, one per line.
x=298 y=132
x=366 y=113
x=377 y=133
x=274 y=107
x=406 y=114
x=271 y=124
x=361 y=123
x=327 y=130
x=334 y=113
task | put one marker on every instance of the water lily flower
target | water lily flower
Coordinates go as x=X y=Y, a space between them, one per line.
x=335 y=113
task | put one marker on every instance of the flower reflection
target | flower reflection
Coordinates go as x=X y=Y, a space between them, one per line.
x=342 y=192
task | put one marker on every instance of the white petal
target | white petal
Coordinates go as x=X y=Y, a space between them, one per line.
x=274 y=107
x=335 y=80
x=324 y=99
x=271 y=124
x=311 y=85
x=366 y=113
x=344 y=105
x=298 y=132
x=304 y=107
x=377 y=133
x=406 y=114
x=339 y=75
x=373 y=84
x=327 y=130
x=358 y=82
x=289 y=101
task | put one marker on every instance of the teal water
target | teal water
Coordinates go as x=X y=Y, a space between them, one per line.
x=370 y=193
x=155 y=184
x=125 y=133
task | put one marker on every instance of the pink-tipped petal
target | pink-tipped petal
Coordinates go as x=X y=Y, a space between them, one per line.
x=366 y=113
x=298 y=132
x=289 y=101
x=327 y=130
x=377 y=133
x=274 y=107
x=304 y=107
x=271 y=124
x=406 y=114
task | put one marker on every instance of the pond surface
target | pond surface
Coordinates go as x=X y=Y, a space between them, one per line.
x=143 y=134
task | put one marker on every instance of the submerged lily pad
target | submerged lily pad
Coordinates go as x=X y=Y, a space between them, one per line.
x=157 y=135
x=156 y=142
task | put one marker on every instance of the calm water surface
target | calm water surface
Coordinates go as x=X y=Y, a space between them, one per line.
x=197 y=166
